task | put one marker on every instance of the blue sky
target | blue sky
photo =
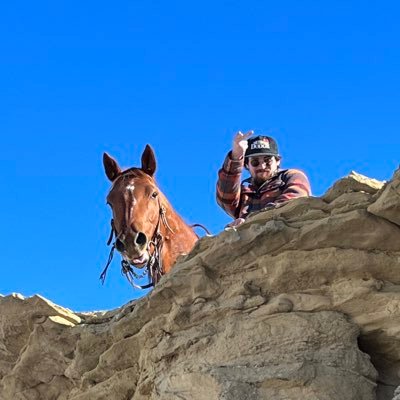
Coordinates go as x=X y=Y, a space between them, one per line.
x=81 y=78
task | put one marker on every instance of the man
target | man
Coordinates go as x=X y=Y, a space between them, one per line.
x=268 y=185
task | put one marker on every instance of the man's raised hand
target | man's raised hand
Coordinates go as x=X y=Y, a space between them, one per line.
x=240 y=144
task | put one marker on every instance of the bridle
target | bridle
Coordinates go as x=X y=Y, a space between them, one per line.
x=154 y=267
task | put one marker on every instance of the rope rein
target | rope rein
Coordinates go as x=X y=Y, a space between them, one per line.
x=203 y=227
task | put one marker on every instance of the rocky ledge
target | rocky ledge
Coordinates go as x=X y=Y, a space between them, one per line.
x=300 y=302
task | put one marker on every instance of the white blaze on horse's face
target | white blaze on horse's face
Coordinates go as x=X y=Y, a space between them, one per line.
x=131 y=188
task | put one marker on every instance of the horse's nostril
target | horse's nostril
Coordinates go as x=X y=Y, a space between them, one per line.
x=119 y=245
x=141 y=239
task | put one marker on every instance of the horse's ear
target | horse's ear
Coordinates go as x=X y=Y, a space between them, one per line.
x=149 y=163
x=111 y=167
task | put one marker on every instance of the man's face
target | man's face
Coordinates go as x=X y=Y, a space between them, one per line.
x=262 y=168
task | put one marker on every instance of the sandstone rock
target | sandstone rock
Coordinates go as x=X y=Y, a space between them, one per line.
x=397 y=394
x=302 y=301
x=388 y=204
x=354 y=182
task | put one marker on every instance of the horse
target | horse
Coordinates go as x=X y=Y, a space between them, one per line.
x=149 y=233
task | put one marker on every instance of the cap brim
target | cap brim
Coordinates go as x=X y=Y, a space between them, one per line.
x=262 y=154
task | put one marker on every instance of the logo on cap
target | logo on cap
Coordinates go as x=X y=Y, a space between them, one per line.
x=260 y=144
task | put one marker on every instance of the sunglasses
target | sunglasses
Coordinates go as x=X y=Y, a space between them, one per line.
x=255 y=162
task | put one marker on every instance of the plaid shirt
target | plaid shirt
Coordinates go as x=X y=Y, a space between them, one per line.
x=239 y=199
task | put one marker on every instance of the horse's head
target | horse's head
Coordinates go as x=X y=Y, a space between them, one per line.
x=136 y=205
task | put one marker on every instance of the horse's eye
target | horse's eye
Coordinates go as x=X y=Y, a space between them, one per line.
x=154 y=195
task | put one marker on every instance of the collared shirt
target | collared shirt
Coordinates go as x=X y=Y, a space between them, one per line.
x=239 y=199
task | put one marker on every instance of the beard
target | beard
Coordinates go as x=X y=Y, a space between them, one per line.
x=261 y=177
x=258 y=181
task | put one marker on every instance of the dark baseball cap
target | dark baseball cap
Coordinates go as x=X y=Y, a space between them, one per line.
x=262 y=146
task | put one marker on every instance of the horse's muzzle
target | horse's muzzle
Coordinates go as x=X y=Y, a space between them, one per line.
x=137 y=241
x=133 y=247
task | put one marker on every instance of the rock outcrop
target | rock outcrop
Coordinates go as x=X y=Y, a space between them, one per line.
x=302 y=301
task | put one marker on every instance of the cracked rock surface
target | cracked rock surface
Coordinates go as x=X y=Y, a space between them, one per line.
x=302 y=301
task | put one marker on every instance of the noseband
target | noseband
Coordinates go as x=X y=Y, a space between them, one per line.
x=154 y=268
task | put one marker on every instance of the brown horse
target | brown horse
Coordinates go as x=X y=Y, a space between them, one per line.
x=148 y=232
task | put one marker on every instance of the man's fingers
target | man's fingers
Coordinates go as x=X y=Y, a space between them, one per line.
x=247 y=134
x=238 y=136
x=242 y=136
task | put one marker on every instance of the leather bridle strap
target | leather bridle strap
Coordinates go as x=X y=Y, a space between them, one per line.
x=111 y=233
x=163 y=213
x=110 y=257
x=154 y=265
x=130 y=274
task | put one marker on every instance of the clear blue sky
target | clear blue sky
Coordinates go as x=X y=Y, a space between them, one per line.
x=81 y=78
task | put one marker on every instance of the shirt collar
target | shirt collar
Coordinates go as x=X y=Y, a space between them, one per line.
x=250 y=187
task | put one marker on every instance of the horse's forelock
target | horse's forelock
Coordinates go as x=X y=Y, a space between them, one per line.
x=135 y=173
x=132 y=173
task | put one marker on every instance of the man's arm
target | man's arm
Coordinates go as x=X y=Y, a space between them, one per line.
x=228 y=185
x=296 y=185
x=229 y=176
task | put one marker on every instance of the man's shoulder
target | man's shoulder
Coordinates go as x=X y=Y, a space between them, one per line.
x=292 y=172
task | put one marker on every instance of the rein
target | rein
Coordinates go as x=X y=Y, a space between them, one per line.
x=154 y=265
x=202 y=227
